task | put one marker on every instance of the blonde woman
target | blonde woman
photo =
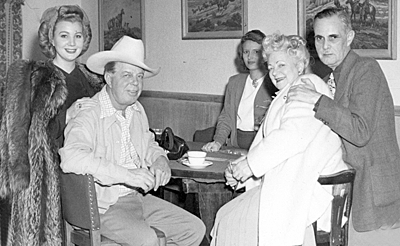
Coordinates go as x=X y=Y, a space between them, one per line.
x=291 y=149
x=247 y=98
x=41 y=98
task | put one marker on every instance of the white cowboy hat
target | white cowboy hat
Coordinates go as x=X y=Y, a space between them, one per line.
x=126 y=49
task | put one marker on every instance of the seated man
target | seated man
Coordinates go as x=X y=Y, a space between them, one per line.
x=112 y=142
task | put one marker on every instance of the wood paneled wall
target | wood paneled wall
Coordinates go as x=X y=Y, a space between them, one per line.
x=183 y=112
x=187 y=112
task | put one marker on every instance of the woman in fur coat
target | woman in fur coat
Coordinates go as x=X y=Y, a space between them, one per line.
x=39 y=99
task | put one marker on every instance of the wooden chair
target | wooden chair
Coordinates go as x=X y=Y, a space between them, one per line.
x=81 y=214
x=342 y=191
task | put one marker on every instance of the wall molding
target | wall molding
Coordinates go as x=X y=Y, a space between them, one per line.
x=184 y=96
x=187 y=112
x=204 y=97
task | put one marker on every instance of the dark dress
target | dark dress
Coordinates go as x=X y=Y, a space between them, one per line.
x=78 y=87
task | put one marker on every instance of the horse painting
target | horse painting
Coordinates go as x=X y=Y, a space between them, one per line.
x=339 y=6
x=367 y=11
x=355 y=8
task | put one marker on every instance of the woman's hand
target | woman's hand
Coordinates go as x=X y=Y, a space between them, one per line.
x=241 y=170
x=78 y=106
x=211 y=147
x=237 y=170
x=230 y=180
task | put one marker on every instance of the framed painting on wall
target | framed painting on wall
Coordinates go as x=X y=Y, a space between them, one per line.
x=210 y=19
x=374 y=23
x=118 y=18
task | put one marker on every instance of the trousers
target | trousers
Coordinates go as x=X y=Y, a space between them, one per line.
x=128 y=222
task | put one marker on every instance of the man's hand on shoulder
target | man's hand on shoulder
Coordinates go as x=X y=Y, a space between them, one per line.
x=141 y=178
x=161 y=171
x=303 y=92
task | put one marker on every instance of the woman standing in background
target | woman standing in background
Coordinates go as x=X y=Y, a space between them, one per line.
x=247 y=98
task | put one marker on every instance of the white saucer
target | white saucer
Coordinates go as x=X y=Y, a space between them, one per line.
x=205 y=164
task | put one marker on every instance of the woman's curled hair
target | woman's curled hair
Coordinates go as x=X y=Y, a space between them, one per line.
x=294 y=45
x=50 y=18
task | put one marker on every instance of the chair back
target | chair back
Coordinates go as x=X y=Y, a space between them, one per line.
x=79 y=202
x=342 y=191
x=79 y=206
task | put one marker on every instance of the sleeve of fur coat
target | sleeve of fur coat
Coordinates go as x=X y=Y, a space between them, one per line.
x=15 y=107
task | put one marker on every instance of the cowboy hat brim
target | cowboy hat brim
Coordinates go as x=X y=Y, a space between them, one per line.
x=97 y=62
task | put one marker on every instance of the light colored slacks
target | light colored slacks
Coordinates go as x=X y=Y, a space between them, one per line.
x=236 y=223
x=128 y=222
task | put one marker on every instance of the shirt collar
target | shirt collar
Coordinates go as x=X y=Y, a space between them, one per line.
x=106 y=107
x=258 y=80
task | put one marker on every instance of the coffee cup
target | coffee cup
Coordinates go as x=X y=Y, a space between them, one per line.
x=196 y=158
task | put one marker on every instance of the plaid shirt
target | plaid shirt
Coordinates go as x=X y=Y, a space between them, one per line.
x=129 y=157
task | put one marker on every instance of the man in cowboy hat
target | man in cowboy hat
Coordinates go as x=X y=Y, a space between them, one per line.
x=112 y=142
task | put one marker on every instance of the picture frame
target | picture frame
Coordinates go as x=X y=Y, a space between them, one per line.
x=211 y=19
x=375 y=31
x=118 y=18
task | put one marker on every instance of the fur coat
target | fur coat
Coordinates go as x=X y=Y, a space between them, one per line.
x=29 y=163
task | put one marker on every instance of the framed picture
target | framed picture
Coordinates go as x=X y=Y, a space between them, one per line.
x=374 y=22
x=118 y=18
x=210 y=19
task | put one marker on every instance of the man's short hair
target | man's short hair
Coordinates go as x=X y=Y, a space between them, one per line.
x=340 y=13
x=110 y=67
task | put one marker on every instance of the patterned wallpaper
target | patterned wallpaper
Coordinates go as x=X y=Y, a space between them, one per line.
x=10 y=50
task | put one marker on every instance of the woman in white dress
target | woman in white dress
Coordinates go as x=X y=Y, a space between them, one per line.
x=290 y=151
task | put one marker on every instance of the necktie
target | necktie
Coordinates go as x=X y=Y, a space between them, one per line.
x=331 y=84
x=255 y=83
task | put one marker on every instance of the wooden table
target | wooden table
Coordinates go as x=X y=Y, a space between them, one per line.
x=214 y=172
x=207 y=185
